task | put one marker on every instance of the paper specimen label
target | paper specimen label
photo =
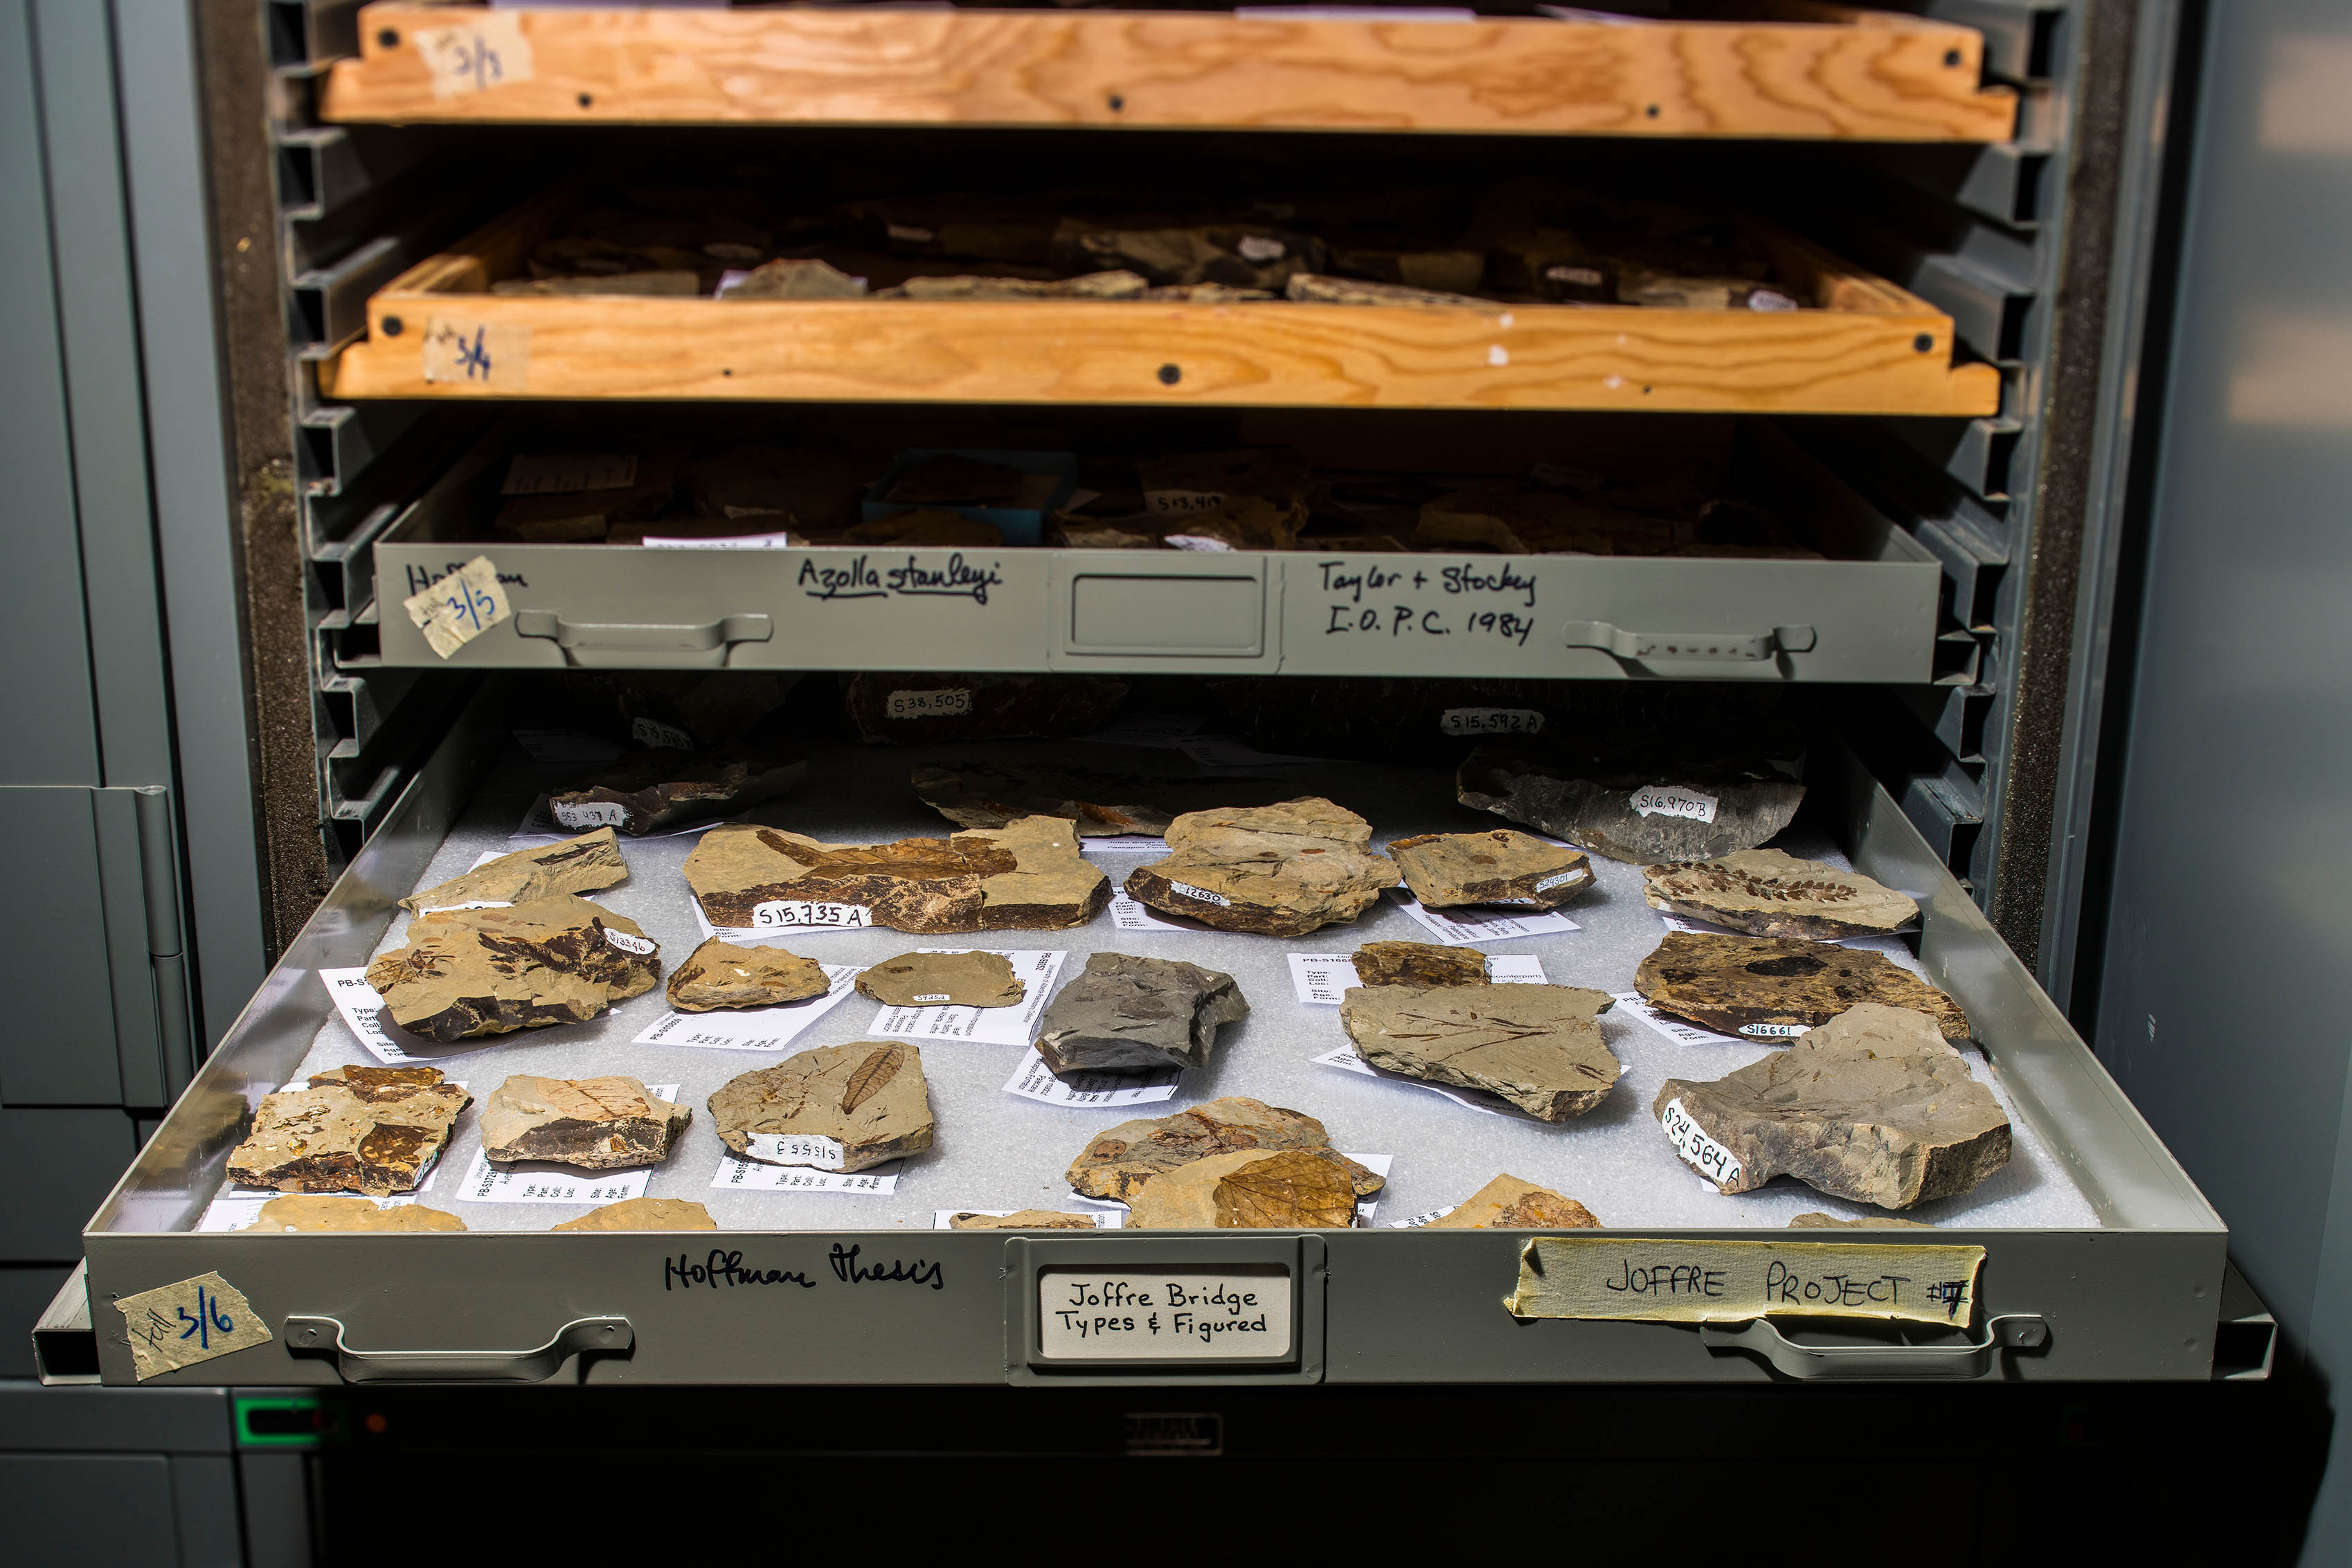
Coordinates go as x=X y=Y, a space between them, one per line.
x=1548 y=883
x=1033 y=1080
x=459 y=608
x=1699 y=1151
x=1104 y=1219
x=1127 y=914
x=1321 y=980
x=1186 y=890
x=789 y=914
x=1455 y=933
x=640 y=945
x=654 y=732
x=1016 y=1025
x=1491 y=721
x=1226 y=1314
x=1671 y=800
x=1738 y=1281
x=951 y=702
x=751 y=1029
x=732 y=541
x=757 y=1175
x=1345 y=1059
x=565 y=473
x=482 y=355
x=481 y=54
x=362 y=1012
x=1673 y=1028
x=1123 y=844
x=1774 y=1030
x=1182 y=503
x=796 y=1149
x=195 y=1320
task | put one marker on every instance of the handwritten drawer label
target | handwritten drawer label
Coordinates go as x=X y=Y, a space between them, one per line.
x=1699 y=1151
x=795 y=1149
x=565 y=473
x=1671 y=800
x=179 y=1325
x=1738 y=1281
x=484 y=355
x=590 y=813
x=459 y=608
x=1491 y=721
x=1484 y=602
x=949 y=703
x=487 y=53
x=1177 y=1314
x=782 y=913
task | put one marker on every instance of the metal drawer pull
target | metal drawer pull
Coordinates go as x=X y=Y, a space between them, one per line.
x=1624 y=644
x=323 y=1337
x=2016 y=1332
x=645 y=644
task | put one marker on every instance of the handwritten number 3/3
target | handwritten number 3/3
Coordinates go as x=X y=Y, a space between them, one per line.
x=209 y=1320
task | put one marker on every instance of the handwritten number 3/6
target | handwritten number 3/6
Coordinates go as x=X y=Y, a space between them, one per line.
x=209 y=1320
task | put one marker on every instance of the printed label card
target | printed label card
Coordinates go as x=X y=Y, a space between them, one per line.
x=1322 y=980
x=1128 y=914
x=1016 y=1025
x=1460 y=932
x=1033 y=1080
x=363 y=1013
x=1347 y=1060
x=751 y=1029
x=741 y=1175
x=1676 y=1029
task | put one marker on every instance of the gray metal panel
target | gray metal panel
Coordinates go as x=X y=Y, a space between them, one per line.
x=121 y=1513
x=60 y=1046
x=275 y=1490
x=51 y=730
x=26 y=1290
x=188 y=439
x=2240 y=716
x=59 y=1163
x=98 y=312
x=98 y=1420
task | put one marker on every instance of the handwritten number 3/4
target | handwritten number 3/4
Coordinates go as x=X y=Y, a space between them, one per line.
x=474 y=356
x=209 y=1320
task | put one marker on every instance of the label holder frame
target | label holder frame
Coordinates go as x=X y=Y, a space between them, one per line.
x=1303 y=1254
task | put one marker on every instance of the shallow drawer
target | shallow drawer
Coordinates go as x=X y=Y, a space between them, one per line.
x=2131 y=1292
x=1872 y=615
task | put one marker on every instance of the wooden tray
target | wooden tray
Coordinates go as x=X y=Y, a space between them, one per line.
x=1780 y=69
x=1867 y=347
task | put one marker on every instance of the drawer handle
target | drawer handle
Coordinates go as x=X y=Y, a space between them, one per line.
x=644 y=644
x=2017 y=1331
x=1624 y=644
x=323 y=1337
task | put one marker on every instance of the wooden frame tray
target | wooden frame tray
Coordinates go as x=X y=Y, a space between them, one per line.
x=1790 y=68
x=1863 y=346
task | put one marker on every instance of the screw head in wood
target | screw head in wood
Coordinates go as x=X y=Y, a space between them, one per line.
x=1951 y=57
x=1170 y=375
x=393 y=326
x=585 y=100
x=1922 y=343
x=1117 y=103
x=388 y=38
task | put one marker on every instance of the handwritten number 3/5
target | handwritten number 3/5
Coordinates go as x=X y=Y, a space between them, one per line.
x=469 y=602
x=209 y=1320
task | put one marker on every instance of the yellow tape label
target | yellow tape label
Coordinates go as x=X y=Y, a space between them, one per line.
x=1656 y=1280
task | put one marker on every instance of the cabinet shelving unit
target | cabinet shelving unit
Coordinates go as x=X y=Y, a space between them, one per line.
x=1930 y=170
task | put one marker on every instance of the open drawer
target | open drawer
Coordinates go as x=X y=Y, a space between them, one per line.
x=2100 y=1258
x=1791 y=70
x=1855 y=344
x=1869 y=611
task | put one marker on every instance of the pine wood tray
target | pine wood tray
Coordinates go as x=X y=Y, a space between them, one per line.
x=1861 y=346
x=1790 y=68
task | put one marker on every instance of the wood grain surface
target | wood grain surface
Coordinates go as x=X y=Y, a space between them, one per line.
x=1092 y=351
x=1857 y=75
